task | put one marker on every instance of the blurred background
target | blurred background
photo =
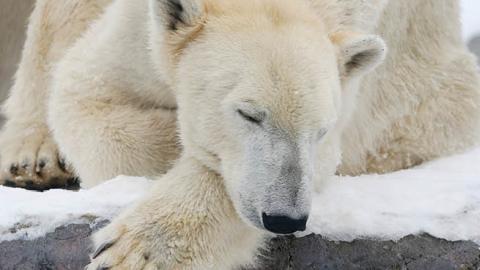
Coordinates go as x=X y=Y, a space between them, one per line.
x=13 y=22
x=14 y=15
x=471 y=24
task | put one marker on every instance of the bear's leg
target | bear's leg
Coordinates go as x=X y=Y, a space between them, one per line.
x=29 y=156
x=444 y=123
x=112 y=135
x=429 y=87
x=186 y=222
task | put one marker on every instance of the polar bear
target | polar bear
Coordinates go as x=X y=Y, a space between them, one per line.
x=269 y=97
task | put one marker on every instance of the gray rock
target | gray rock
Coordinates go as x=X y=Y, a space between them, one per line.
x=68 y=248
x=410 y=253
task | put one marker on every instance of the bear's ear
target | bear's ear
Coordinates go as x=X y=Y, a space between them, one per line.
x=178 y=14
x=358 y=54
x=174 y=23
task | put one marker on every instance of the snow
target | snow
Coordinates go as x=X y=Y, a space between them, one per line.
x=39 y=213
x=441 y=198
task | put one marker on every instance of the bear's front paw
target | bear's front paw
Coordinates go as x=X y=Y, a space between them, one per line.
x=30 y=159
x=119 y=246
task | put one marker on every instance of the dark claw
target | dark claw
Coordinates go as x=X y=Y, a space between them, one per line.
x=30 y=185
x=10 y=183
x=62 y=165
x=73 y=183
x=14 y=169
x=102 y=248
x=42 y=164
x=64 y=183
x=25 y=165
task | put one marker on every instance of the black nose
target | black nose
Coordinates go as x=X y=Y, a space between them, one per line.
x=284 y=224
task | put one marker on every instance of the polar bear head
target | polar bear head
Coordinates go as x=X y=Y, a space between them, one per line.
x=262 y=87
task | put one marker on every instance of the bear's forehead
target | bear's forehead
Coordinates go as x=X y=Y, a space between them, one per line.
x=277 y=12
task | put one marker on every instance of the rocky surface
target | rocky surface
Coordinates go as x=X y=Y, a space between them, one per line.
x=68 y=248
x=413 y=253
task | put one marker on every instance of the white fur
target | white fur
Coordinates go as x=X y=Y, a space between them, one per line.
x=304 y=70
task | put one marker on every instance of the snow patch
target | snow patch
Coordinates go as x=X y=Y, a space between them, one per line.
x=441 y=198
x=28 y=215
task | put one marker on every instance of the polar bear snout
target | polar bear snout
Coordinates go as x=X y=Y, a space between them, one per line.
x=275 y=192
x=284 y=224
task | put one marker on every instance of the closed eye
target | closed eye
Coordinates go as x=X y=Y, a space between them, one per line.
x=256 y=119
